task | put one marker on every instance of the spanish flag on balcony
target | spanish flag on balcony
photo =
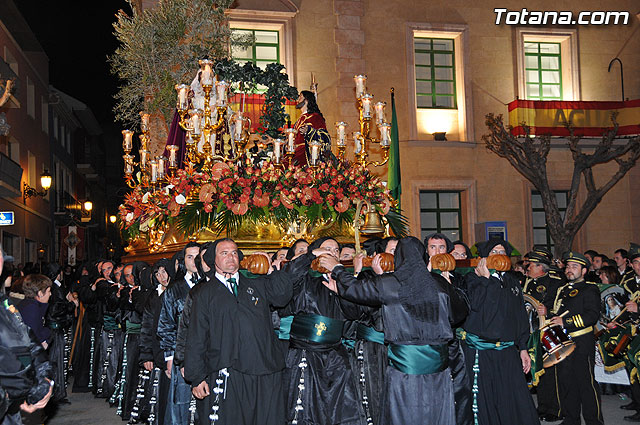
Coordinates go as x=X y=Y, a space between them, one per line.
x=589 y=119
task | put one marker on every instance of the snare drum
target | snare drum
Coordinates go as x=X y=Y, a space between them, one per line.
x=557 y=345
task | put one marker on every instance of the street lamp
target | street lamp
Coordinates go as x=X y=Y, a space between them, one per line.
x=45 y=182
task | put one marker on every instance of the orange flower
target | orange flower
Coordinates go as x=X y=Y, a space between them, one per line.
x=218 y=170
x=174 y=208
x=343 y=205
x=207 y=191
x=286 y=201
x=240 y=209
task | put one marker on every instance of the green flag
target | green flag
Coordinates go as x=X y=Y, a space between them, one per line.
x=393 y=173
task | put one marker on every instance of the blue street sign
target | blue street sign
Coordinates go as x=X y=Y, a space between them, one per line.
x=6 y=218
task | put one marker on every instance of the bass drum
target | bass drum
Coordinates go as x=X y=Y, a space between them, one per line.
x=531 y=306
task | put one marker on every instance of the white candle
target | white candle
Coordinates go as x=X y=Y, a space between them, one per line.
x=183 y=100
x=385 y=134
x=144 y=156
x=195 y=116
x=361 y=87
x=239 y=124
x=154 y=170
x=366 y=105
x=314 y=152
x=221 y=90
x=277 y=145
x=341 y=129
x=356 y=141
x=173 y=155
x=291 y=138
x=206 y=75
x=162 y=165
x=379 y=107
x=127 y=140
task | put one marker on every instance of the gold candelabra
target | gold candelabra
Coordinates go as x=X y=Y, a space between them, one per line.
x=364 y=137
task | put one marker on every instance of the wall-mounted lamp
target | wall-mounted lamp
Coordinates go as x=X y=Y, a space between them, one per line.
x=45 y=182
x=88 y=205
x=112 y=219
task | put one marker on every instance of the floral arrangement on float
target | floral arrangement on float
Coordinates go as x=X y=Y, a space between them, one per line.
x=232 y=193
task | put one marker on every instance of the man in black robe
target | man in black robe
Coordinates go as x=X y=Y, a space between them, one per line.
x=417 y=314
x=495 y=337
x=317 y=359
x=173 y=299
x=59 y=318
x=235 y=361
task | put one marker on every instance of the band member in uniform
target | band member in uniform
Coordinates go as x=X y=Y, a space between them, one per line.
x=577 y=386
x=543 y=287
x=631 y=284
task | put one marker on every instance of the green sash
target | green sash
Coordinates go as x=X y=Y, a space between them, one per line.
x=110 y=323
x=369 y=334
x=316 y=328
x=133 y=328
x=418 y=359
x=285 y=327
x=477 y=343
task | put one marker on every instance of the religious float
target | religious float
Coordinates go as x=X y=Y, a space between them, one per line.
x=230 y=172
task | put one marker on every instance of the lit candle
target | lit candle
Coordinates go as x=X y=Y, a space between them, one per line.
x=221 y=92
x=366 y=105
x=361 y=88
x=356 y=140
x=239 y=124
x=128 y=164
x=173 y=156
x=195 y=117
x=277 y=146
x=154 y=170
x=341 y=129
x=183 y=100
x=144 y=156
x=291 y=138
x=206 y=76
x=162 y=165
x=379 y=107
x=315 y=149
x=127 y=140
x=144 y=121
x=385 y=134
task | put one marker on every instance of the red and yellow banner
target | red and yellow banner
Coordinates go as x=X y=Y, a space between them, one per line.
x=589 y=119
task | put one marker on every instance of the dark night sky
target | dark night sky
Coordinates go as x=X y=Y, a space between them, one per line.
x=77 y=37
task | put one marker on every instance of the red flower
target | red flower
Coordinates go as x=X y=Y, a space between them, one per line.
x=218 y=170
x=208 y=208
x=286 y=201
x=207 y=192
x=275 y=202
x=324 y=187
x=260 y=199
x=244 y=198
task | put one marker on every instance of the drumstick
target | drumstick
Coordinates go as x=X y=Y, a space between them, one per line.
x=548 y=322
x=634 y=299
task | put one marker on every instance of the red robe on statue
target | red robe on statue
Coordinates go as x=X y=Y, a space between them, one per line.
x=313 y=120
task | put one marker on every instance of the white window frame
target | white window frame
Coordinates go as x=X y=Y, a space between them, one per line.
x=568 y=39
x=421 y=119
x=271 y=21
